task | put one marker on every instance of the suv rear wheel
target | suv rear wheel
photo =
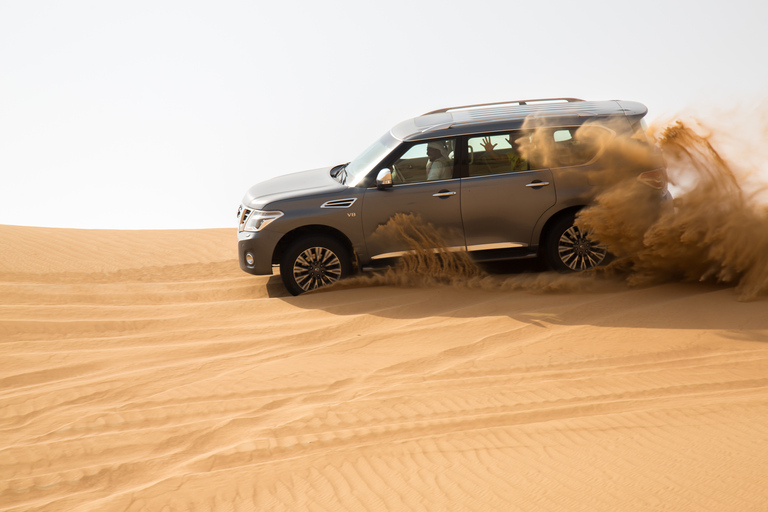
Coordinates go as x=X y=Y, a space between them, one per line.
x=569 y=249
x=314 y=262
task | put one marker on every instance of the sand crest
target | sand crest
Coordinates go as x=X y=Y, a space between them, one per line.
x=143 y=371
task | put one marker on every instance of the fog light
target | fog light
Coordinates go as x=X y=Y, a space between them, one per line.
x=249 y=259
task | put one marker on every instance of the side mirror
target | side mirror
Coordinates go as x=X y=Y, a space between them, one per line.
x=384 y=179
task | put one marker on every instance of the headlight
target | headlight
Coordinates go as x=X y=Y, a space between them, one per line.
x=256 y=220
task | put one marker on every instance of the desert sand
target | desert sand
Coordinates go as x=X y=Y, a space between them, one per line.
x=143 y=371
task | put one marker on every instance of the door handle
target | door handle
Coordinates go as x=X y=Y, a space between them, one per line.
x=444 y=193
x=537 y=183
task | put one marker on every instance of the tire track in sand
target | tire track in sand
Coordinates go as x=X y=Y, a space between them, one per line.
x=171 y=386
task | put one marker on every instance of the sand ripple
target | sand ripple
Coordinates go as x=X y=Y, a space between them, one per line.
x=180 y=383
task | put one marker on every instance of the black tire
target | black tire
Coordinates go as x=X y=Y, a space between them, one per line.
x=568 y=249
x=313 y=262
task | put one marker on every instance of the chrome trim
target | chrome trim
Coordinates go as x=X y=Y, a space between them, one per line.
x=444 y=194
x=481 y=176
x=243 y=213
x=537 y=184
x=398 y=254
x=339 y=203
x=501 y=245
x=518 y=102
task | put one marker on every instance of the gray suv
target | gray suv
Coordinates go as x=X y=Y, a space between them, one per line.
x=499 y=181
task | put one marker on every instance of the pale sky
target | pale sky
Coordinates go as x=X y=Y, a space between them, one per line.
x=160 y=114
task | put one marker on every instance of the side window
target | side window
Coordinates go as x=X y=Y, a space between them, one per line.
x=565 y=147
x=499 y=153
x=425 y=161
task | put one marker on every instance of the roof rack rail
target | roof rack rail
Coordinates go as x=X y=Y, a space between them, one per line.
x=519 y=102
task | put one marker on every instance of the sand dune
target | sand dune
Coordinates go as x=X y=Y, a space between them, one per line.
x=142 y=370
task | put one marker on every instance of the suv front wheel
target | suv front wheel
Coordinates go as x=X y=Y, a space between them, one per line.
x=569 y=249
x=310 y=263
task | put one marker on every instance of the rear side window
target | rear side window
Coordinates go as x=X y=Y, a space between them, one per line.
x=567 y=146
x=498 y=153
x=527 y=150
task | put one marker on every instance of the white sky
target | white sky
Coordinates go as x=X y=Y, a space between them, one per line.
x=160 y=114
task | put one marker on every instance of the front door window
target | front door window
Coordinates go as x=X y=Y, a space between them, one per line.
x=425 y=161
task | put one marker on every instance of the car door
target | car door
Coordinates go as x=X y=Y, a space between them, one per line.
x=504 y=194
x=415 y=211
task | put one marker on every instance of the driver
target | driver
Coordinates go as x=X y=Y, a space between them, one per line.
x=438 y=165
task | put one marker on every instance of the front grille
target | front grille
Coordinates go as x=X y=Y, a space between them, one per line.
x=243 y=214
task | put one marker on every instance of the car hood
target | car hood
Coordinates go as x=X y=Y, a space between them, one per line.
x=292 y=186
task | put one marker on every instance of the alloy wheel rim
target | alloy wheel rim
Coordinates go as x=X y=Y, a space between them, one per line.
x=316 y=267
x=578 y=252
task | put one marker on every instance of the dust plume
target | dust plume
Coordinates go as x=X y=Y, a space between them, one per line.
x=717 y=230
x=429 y=263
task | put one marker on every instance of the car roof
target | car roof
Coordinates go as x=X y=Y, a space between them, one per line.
x=511 y=115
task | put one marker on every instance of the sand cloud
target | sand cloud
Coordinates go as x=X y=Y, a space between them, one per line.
x=717 y=230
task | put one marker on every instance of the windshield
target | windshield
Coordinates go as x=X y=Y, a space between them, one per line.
x=358 y=168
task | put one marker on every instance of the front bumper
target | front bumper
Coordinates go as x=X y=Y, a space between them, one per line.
x=255 y=251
